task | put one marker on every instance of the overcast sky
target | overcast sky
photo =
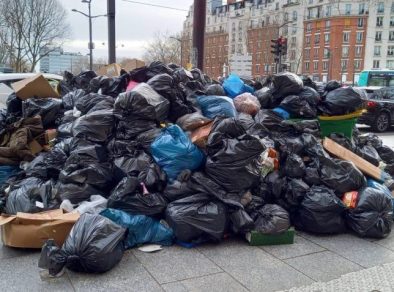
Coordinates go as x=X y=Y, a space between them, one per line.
x=136 y=24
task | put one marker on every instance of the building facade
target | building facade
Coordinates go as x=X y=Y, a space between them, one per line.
x=57 y=61
x=327 y=39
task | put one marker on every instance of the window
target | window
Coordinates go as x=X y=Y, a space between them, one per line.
x=309 y=27
x=359 y=37
x=307 y=40
x=328 y=24
x=390 y=64
x=294 y=15
x=392 y=7
x=317 y=38
x=328 y=10
x=346 y=37
x=357 y=64
x=257 y=68
x=376 y=64
x=286 y=15
x=348 y=9
x=380 y=7
x=344 y=65
x=326 y=38
x=360 y=22
x=292 y=55
x=361 y=8
x=294 y=30
x=326 y=53
x=307 y=53
x=391 y=35
x=390 y=51
x=376 y=51
x=310 y=1
x=392 y=20
x=359 y=50
x=325 y=66
x=345 y=52
x=316 y=53
x=378 y=36
x=306 y=66
x=316 y=65
x=277 y=6
x=379 y=21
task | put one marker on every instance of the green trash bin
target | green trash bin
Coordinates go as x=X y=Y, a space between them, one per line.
x=344 y=127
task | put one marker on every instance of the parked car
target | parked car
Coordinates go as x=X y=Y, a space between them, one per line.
x=380 y=109
x=8 y=78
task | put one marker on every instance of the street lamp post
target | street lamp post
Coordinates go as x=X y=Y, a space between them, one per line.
x=89 y=15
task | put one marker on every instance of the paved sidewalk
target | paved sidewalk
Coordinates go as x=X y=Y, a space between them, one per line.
x=229 y=266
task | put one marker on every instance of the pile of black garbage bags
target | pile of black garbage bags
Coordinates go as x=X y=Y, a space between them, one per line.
x=127 y=140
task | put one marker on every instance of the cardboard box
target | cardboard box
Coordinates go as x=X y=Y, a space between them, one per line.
x=256 y=238
x=26 y=230
x=363 y=165
x=200 y=136
x=111 y=70
x=36 y=86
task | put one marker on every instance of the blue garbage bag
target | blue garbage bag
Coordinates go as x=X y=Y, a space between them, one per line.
x=381 y=187
x=213 y=106
x=174 y=152
x=141 y=229
x=234 y=86
x=283 y=113
x=7 y=171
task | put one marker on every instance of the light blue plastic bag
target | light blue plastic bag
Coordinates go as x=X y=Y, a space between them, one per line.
x=174 y=152
x=141 y=229
x=213 y=106
x=234 y=86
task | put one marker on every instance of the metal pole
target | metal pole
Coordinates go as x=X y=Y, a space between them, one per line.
x=181 y=53
x=90 y=39
x=111 y=31
x=199 y=15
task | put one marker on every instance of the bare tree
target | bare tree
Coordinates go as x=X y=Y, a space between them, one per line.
x=165 y=48
x=30 y=29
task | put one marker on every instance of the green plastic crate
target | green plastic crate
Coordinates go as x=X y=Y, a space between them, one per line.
x=341 y=126
x=256 y=238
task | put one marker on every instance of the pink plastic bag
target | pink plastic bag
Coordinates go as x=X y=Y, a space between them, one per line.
x=247 y=103
x=131 y=85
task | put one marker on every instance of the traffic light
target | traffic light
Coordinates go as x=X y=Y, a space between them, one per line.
x=283 y=45
x=275 y=47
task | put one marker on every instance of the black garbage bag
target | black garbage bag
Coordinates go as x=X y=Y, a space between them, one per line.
x=343 y=141
x=94 y=245
x=96 y=126
x=296 y=190
x=313 y=147
x=272 y=219
x=332 y=85
x=47 y=164
x=83 y=151
x=197 y=218
x=298 y=107
x=142 y=103
x=312 y=176
x=14 y=105
x=98 y=175
x=341 y=176
x=50 y=110
x=237 y=158
x=254 y=206
x=130 y=129
x=118 y=147
x=294 y=166
x=310 y=95
x=92 y=102
x=386 y=154
x=373 y=215
x=111 y=86
x=285 y=84
x=177 y=190
x=192 y=121
x=65 y=130
x=82 y=80
x=368 y=139
x=71 y=98
x=31 y=195
x=215 y=89
x=321 y=211
x=265 y=97
x=276 y=183
x=129 y=196
x=77 y=193
x=342 y=101
x=241 y=222
x=132 y=163
x=145 y=139
x=289 y=144
x=269 y=119
x=369 y=154
x=308 y=82
x=153 y=177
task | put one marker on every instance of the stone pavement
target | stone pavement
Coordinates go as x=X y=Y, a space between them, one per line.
x=229 y=266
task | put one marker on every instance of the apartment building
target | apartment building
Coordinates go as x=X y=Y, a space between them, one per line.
x=327 y=39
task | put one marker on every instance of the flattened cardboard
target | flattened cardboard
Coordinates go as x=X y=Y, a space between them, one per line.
x=26 y=230
x=200 y=136
x=111 y=70
x=345 y=154
x=36 y=86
